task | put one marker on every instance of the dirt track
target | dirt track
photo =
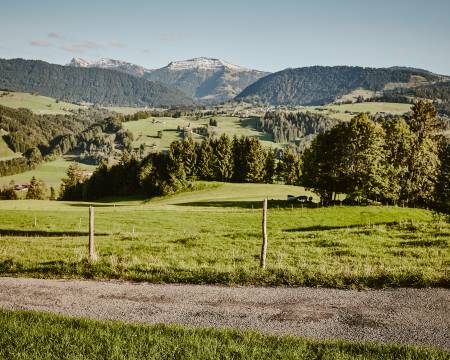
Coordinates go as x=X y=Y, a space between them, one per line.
x=409 y=316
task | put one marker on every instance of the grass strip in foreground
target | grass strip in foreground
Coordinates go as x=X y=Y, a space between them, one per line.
x=29 y=335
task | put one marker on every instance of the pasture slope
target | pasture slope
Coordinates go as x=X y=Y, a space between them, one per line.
x=36 y=103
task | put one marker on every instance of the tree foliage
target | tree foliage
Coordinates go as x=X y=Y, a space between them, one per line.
x=390 y=161
x=217 y=159
x=37 y=190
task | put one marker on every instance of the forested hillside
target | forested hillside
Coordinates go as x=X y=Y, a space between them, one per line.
x=318 y=85
x=93 y=133
x=92 y=85
x=26 y=130
x=439 y=93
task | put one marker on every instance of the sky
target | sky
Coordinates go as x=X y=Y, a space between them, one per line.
x=260 y=34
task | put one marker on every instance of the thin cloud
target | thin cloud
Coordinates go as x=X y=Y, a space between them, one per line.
x=42 y=43
x=55 y=35
x=88 y=45
x=70 y=49
x=82 y=47
x=174 y=37
x=117 y=44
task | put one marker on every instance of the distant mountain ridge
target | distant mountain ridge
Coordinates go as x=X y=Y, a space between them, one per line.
x=207 y=80
x=105 y=63
x=91 y=85
x=318 y=85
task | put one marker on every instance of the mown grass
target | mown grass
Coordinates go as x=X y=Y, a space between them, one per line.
x=36 y=103
x=214 y=236
x=29 y=335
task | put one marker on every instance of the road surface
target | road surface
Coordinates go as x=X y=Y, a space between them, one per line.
x=407 y=316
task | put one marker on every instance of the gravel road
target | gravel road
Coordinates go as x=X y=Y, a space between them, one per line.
x=408 y=316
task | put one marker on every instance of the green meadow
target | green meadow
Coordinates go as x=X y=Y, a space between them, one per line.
x=212 y=235
x=145 y=131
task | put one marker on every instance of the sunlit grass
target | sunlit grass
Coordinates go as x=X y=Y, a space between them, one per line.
x=214 y=236
x=29 y=335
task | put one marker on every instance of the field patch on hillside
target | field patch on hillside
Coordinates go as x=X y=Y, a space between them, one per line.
x=346 y=111
x=50 y=172
x=36 y=103
x=146 y=131
x=5 y=152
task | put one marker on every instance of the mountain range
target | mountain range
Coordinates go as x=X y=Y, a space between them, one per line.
x=211 y=81
x=207 y=80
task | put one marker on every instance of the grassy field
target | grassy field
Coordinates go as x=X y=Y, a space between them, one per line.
x=30 y=335
x=5 y=152
x=347 y=111
x=214 y=236
x=51 y=172
x=36 y=103
x=145 y=131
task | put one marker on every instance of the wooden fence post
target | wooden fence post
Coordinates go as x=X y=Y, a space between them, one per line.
x=92 y=256
x=264 y=234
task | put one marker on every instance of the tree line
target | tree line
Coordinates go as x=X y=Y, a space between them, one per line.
x=221 y=158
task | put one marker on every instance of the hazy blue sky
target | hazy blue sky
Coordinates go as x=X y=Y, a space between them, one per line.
x=266 y=35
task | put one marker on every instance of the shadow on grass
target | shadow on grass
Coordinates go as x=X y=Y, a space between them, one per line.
x=271 y=204
x=338 y=227
x=92 y=204
x=110 y=201
x=424 y=243
x=43 y=233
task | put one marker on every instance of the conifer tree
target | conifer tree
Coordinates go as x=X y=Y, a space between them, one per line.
x=223 y=158
x=37 y=189
x=205 y=160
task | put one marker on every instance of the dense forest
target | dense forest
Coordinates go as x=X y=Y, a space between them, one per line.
x=288 y=127
x=91 y=85
x=319 y=85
